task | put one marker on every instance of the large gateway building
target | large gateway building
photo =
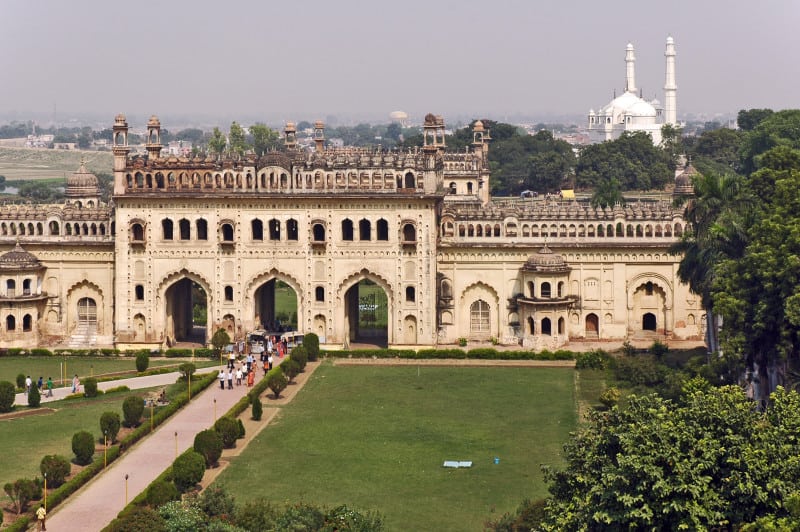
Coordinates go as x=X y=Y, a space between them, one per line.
x=334 y=225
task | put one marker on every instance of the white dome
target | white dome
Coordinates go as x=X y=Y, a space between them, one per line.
x=627 y=104
x=398 y=115
x=641 y=108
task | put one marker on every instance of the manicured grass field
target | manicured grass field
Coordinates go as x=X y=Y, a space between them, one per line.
x=375 y=438
x=25 y=440
x=50 y=366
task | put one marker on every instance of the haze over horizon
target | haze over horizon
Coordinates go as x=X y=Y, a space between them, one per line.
x=297 y=60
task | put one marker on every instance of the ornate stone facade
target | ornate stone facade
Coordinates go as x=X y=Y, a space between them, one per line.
x=419 y=225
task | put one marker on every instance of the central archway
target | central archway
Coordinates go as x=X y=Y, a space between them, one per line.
x=186 y=312
x=366 y=311
x=275 y=306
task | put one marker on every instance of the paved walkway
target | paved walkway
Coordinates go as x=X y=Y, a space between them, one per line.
x=99 y=502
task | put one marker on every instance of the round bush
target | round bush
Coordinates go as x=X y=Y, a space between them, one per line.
x=241 y=428
x=139 y=518
x=56 y=467
x=228 y=428
x=258 y=409
x=300 y=355
x=132 y=410
x=188 y=470
x=277 y=383
x=34 y=397
x=290 y=368
x=142 y=361
x=209 y=444
x=7 y=393
x=83 y=447
x=161 y=492
x=90 y=387
x=186 y=369
x=311 y=345
x=21 y=380
x=109 y=425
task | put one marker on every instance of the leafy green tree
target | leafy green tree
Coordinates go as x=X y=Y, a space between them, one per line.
x=7 y=395
x=132 y=410
x=109 y=425
x=217 y=142
x=710 y=461
x=142 y=361
x=277 y=383
x=607 y=193
x=631 y=158
x=264 y=138
x=56 y=468
x=236 y=139
x=777 y=129
x=717 y=151
x=220 y=339
x=34 y=397
x=748 y=119
x=21 y=492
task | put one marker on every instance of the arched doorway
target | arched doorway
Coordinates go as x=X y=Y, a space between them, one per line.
x=187 y=312
x=366 y=313
x=87 y=311
x=649 y=321
x=592 y=326
x=276 y=306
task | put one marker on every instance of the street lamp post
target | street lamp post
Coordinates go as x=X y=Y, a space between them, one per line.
x=190 y=384
x=151 y=415
x=105 y=449
x=215 y=410
x=126 y=489
x=45 y=491
x=176 y=444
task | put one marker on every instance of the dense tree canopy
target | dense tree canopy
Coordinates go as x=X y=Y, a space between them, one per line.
x=710 y=461
x=632 y=159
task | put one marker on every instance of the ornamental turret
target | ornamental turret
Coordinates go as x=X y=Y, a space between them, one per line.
x=153 y=145
x=120 y=149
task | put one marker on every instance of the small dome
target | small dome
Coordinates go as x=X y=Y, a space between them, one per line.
x=545 y=260
x=430 y=119
x=82 y=183
x=290 y=126
x=478 y=126
x=119 y=119
x=19 y=260
x=319 y=124
x=154 y=121
x=683 y=182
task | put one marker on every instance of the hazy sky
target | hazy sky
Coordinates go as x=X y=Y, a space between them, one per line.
x=301 y=59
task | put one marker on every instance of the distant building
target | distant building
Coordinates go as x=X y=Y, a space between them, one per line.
x=630 y=112
x=39 y=141
x=179 y=148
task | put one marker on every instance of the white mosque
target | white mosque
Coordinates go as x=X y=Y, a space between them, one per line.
x=630 y=112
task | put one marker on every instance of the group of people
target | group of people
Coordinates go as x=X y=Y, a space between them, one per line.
x=40 y=384
x=244 y=371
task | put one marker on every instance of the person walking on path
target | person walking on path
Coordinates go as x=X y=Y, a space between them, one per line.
x=40 y=383
x=28 y=383
x=76 y=384
x=269 y=360
x=221 y=378
x=49 y=386
x=238 y=376
x=41 y=515
x=230 y=379
x=251 y=377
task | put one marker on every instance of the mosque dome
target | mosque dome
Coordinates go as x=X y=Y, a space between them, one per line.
x=547 y=261
x=683 y=182
x=82 y=183
x=628 y=104
x=19 y=260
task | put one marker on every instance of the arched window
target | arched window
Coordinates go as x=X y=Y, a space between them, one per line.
x=87 y=310
x=27 y=323
x=227 y=232
x=364 y=229
x=185 y=229
x=531 y=325
x=545 y=290
x=469 y=187
x=383 y=229
x=137 y=232
x=228 y=293
x=292 y=229
x=274 y=229
x=202 y=229
x=479 y=317
x=531 y=290
x=11 y=287
x=411 y=294
x=26 y=287
x=318 y=232
x=561 y=325
x=409 y=233
x=410 y=181
x=11 y=323
x=139 y=289
x=452 y=188
x=319 y=294
x=347 y=229
x=257 y=229
x=53 y=226
x=547 y=329
x=648 y=288
x=561 y=289
x=166 y=228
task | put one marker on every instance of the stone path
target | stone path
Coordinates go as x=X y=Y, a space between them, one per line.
x=98 y=503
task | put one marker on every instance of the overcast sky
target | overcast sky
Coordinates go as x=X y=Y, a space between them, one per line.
x=304 y=59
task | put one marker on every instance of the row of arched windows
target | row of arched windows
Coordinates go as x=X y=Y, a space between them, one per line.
x=546 y=326
x=54 y=229
x=11 y=287
x=270 y=180
x=546 y=291
x=27 y=323
x=620 y=230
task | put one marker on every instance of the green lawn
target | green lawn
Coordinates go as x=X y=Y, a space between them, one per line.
x=50 y=366
x=376 y=437
x=25 y=440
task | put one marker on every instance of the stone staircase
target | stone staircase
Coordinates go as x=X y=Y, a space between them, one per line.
x=83 y=336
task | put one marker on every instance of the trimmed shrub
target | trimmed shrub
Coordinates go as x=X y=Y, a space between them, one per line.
x=132 y=410
x=116 y=389
x=90 y=387
x=596 y=359
x=41 y=352
x=659 y=349
x=277 y=383
x=83 y=447
x=208 y=443
x=109 y=425
x=161 y=492
x=290 y=368
x=228 y=428
x=56 y=467
x=610 y=397
x=139 y=518
x=21 y=380
x=188 y=470
x=7 y=396
x=142 y=361
x=300 y=355
x=34 y=397
x=311 y=345
x=258 y=409
x=241 y=429
x=215 y=501
x=204 y=352
x=186 y=369
x=176 y=353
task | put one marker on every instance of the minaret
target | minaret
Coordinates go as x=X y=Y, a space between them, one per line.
x=319 y=136
x=153 y=145
x=630 y=77
x=670 y=88
x=120 y=149
x=290 y=135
